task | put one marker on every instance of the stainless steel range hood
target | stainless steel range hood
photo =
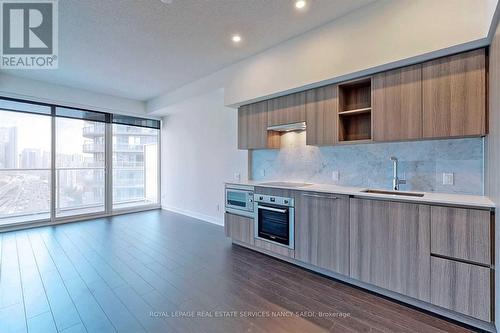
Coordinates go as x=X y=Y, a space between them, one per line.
x=288 y=127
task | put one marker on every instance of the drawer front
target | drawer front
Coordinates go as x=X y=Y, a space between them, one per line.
x=239 y=228
x=461 y=233
x=461 y=287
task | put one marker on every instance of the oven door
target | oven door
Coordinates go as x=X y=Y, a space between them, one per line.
x=275 y=224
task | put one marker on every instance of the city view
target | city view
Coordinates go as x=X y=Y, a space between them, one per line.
x=25 y=167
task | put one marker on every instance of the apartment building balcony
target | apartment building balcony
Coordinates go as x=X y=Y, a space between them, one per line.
x=97 y=130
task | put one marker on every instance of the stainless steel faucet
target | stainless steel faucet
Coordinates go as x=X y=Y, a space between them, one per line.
x=395 y=179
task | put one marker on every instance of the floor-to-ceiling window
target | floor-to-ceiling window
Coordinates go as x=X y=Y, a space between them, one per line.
x=25 y=162
x=80 y=162
x=54 y=162
x=135 y=163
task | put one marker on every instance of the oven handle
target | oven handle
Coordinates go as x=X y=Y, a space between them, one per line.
x=272 y=209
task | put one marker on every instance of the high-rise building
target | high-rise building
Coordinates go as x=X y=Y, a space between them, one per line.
x=129 y=156
x=31 y=159
x=8 y=147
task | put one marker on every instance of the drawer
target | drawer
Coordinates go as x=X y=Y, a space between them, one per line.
x=239 y=228
x=461 y=287
x=461 y=233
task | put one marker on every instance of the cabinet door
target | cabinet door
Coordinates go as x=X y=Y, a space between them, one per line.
x=461 y=287
x=322 y=231
x=397 y=104
x=390 y=246
x=461 y=233
x=287 y=109
x=454 y=95
x=321 y=116
x=252 y=128
x=239 y=228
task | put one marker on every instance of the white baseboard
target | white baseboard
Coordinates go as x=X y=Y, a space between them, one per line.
x=195 y=215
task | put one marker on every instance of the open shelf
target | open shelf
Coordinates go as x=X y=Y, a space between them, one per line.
x=355 y=117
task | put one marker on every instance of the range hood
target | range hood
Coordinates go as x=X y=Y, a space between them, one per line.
x=300 y=126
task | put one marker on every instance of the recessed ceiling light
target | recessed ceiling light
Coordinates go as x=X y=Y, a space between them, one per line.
x=300 y=4
x=236 y=38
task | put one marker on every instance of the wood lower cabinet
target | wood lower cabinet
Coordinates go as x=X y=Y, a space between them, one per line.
x=252 y=128
x=322 y=230
x=454 y=95
x=321 y=116
x=397 y=104
x=287 y=109
x=461 y=287
x=239 y=228
x=390 y=246
x=463 y=234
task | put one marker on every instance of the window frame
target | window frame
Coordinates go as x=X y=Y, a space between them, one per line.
x=108 y=165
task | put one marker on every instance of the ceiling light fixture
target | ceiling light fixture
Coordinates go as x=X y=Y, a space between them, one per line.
x=236 y=38
x=300 y=4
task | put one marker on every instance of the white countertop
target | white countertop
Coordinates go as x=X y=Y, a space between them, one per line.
x=429 y=197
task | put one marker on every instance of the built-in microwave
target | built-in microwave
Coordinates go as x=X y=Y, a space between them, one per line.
x=239 y=200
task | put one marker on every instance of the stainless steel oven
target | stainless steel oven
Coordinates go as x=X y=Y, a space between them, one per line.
x=239 y=200
x=274 y=219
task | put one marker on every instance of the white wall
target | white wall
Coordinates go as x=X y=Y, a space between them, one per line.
x=22 y=88
x=199 y=153
x=382 y=35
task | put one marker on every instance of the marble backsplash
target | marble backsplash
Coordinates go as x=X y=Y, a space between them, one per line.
x=421 y=163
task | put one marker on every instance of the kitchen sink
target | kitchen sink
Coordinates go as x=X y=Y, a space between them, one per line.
x=407 y=194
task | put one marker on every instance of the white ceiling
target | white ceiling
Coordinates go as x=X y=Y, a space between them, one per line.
x=141 y=48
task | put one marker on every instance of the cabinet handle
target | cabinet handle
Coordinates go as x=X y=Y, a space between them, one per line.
x=319 y=196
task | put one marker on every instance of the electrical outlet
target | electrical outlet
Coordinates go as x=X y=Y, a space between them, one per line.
x=237 y=176
x=335 y=176
x=448 y=178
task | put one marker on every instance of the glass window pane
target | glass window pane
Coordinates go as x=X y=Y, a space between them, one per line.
x=82 y=114
x=135 y=166
x=80 y=172
x=6 y=104
x=134 y=121
x=25 y=159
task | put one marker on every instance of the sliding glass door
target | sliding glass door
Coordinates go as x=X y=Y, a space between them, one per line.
x=25 y=164
x=60 y=163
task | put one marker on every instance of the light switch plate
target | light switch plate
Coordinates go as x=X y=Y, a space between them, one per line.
x=335 y=176
x=237 y=176
x=448 y=178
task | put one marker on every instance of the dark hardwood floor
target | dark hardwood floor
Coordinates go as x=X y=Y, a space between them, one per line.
x=162 y=272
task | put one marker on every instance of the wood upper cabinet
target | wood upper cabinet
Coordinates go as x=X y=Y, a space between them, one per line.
x=321 y=116
x=287 y=109
x=390 y=246
x=322 y=230
x=239 y=228
x=454 y=95
x=461 y=287
x=461 y=234
x=252 y=128
x=397 y=104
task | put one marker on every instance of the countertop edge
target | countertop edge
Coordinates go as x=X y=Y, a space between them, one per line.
x=470 y=201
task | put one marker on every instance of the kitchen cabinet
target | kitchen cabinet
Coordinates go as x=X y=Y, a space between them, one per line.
x=322 y=230
x=462 y=234
x=239 y=228
x=390 y=246
x=461 y=287
x=321 y=116
x=287 y=109
x=397 y=104
x=252 y=128
x=454 y=95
